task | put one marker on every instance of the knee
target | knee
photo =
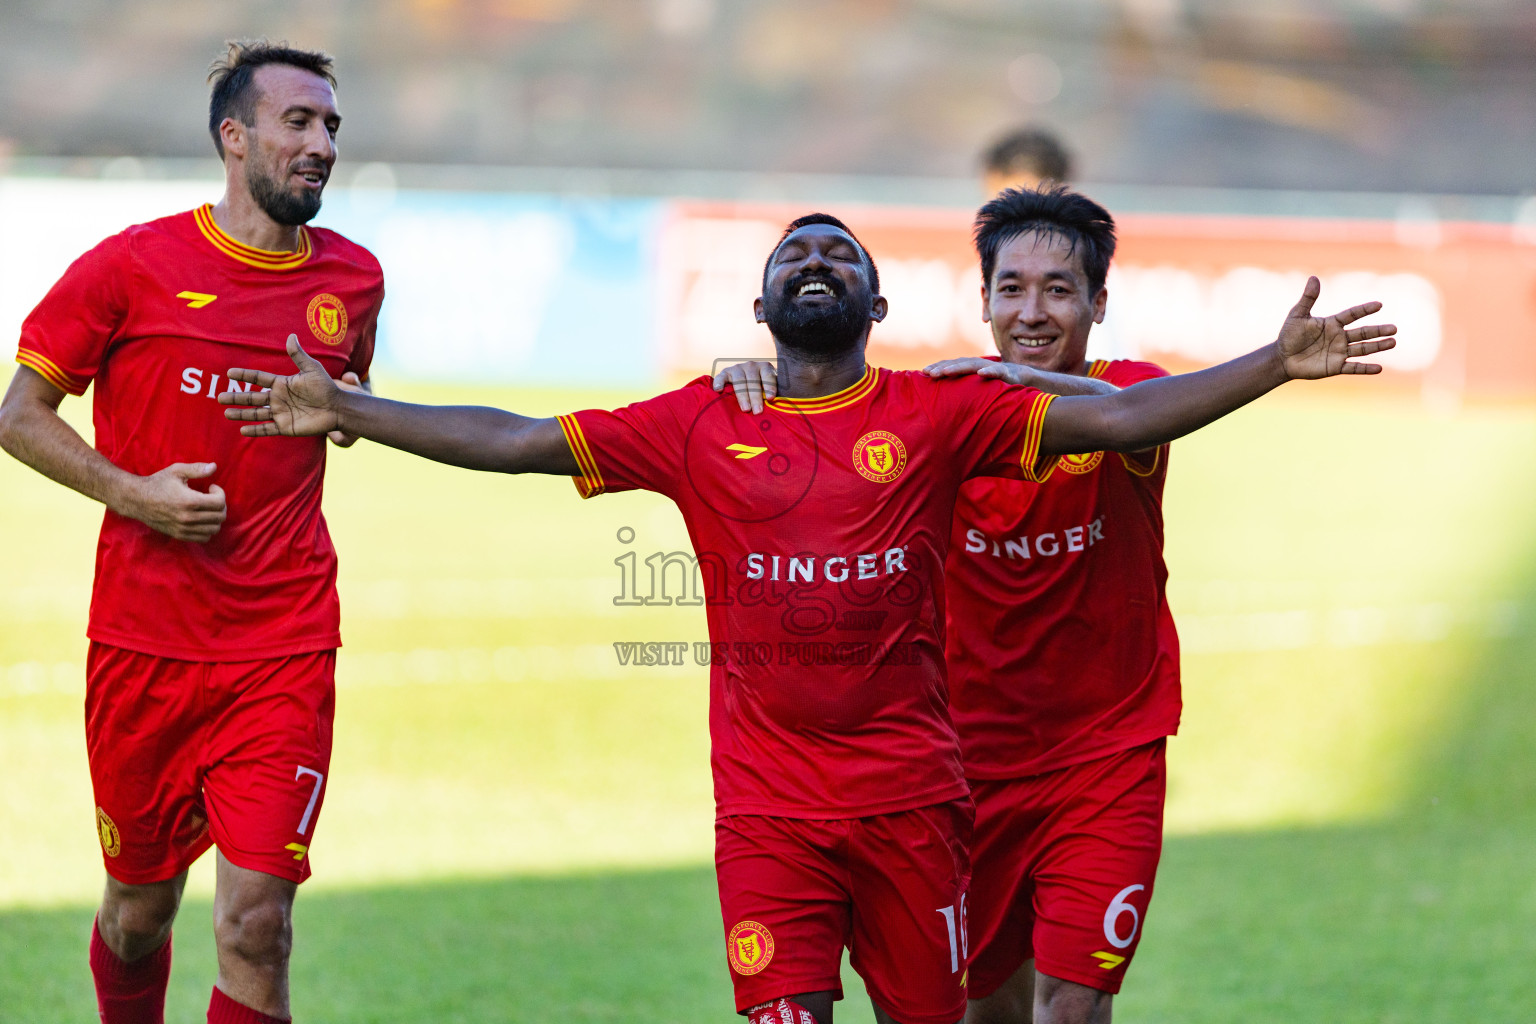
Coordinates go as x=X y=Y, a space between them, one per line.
x=136 y=921
x=258 y=933
x=145 y=920
x=999 y=1008
x=1067 y=1003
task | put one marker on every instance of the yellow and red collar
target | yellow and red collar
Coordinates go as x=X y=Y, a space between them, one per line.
x=263 y=259
x=837 y=400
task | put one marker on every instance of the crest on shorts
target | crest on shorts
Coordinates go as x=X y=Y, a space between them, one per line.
x=880 y=456
x=749 y=947
x=327 y=318
x=1080 y=464
x=106 y=831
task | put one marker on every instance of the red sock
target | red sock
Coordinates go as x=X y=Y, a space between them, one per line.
x=129 y=993
x=780 y=1011
x=224 y=1010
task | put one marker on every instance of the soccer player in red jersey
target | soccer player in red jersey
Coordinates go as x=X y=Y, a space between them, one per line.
x=1061 y=650
x=214 y=619
x=1063 y=659
x=821 y=527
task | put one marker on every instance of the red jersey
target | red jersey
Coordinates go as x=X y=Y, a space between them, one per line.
x=821 y=528
x=1061 y=646
x=154 y=316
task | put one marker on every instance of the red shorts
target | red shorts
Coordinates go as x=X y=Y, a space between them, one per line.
x=891 y=888
x=1064 y=865
x=186 y=754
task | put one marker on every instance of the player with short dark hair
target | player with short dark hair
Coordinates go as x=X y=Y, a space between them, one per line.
x=821 y=526
x=1062 y=653
x=1030 y=158
x=214 y=619
x=235 y=92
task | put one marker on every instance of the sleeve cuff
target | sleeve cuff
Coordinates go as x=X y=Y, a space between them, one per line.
x=51 y=372
x=1037 y=468
x=590 y=483
x=1144 y=463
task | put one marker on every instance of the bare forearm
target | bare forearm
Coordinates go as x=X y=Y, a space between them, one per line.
x=1063 y=383
x=1157 y=411
x=36 y=435
x=473 y=437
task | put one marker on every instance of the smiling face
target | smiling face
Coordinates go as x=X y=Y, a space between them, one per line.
x=817 y=295
x=289 y=151
x=1040 y=304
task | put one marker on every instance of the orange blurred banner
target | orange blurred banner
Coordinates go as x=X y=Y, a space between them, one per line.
x=1185 y=290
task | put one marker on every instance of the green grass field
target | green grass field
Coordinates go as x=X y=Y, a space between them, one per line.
x=518 y=829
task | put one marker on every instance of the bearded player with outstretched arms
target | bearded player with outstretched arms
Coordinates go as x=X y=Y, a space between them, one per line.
x=843 y=811
x=1062 y=654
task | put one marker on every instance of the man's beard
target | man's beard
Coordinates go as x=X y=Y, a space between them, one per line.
x=819 y=334
x=281 y=205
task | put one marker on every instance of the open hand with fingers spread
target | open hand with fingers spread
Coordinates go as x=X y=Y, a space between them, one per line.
x=1312 y=347
x=302 y=405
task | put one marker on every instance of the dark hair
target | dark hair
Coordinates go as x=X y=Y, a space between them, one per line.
x=1071 y=216
x=1034 y=148
x=825 y=218
x=235 y=96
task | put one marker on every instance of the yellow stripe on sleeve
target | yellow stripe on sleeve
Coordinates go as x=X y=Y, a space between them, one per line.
x=588 y=460
x=1140 y=468
x=50 y=371
x=1029 y=460
x=590 y=483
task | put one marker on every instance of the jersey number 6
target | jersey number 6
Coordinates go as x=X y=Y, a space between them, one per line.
x=1118 y=906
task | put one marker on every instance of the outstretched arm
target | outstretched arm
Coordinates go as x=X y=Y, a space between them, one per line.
x=1155 y=412
x=475 y=437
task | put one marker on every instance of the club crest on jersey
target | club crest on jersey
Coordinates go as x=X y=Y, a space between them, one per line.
x=880 y=456
x=749 y=947
x=1080 y=464
x=327 y=318
x=106 y=831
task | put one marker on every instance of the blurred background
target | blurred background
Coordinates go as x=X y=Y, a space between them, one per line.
x=1395 y=95
x=572 y=200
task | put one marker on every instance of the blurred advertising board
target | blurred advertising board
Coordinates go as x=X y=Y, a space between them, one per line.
x=480 y=287
x=498 y=288
x=540 y=289
x=1185 y=290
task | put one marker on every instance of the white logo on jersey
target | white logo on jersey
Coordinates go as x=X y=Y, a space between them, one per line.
x=192 y=383
x=1045 y=545
x=837 y=569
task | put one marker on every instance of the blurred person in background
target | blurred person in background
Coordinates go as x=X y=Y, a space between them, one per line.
x=1031 y=158
x=843 y=812
x=210 y=679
